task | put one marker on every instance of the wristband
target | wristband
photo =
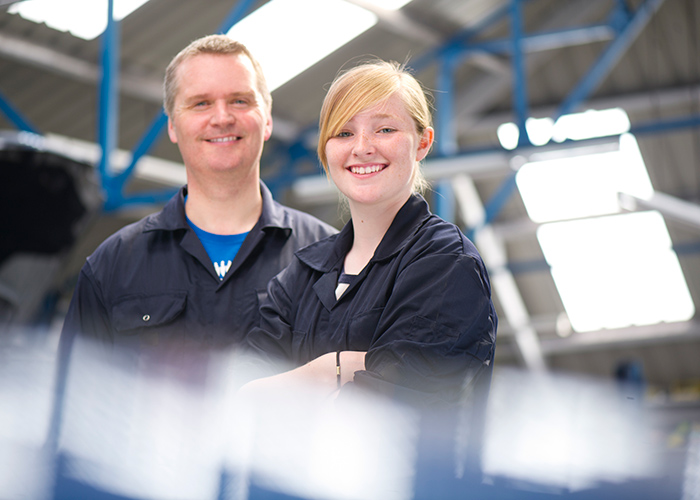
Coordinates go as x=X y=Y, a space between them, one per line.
x=337 y=367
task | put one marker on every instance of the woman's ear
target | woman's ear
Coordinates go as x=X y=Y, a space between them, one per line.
x=268 y=127
x=425 y=143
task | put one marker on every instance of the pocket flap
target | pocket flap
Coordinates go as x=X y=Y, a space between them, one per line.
x=147 y=310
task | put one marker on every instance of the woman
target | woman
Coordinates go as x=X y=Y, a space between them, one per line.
x=397 y=282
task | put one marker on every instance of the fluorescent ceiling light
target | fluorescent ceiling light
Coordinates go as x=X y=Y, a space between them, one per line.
x=583 y=186
x=539 y=130
x=616 y=271
x=508 y=135
x=288 y=37
x=590 y=124
x=85 y=19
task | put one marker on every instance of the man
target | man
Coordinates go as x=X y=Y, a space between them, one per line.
x=192 y=275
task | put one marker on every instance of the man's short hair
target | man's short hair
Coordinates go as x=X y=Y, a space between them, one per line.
x=212 y=44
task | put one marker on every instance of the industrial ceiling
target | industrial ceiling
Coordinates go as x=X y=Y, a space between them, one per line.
x=487 y=62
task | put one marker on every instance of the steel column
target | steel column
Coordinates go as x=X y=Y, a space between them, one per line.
x=444 y=104
x=520 y=101
x=108 y=118
x=444 y=201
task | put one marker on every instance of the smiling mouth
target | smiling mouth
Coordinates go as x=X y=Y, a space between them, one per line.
x=370 y=169
x=223 y=140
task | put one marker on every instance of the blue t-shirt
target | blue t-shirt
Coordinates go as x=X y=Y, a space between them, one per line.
x=221 y=248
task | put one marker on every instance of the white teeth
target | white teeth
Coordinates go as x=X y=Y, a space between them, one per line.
x=366 y=170
x=224 y=139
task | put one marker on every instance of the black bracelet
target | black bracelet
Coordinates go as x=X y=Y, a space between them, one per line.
x=337 y=367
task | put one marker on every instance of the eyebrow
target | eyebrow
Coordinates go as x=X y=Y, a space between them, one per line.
x=377 y=116
x=198 y=97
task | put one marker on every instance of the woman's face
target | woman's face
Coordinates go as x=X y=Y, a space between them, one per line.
x=373 y=156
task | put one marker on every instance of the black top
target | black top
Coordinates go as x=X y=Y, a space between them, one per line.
x=421 y=308
x=152 y=283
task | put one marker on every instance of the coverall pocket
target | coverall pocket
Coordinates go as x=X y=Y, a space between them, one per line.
x=134 y=313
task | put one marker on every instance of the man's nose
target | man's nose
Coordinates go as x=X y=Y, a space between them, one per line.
x=221 y=113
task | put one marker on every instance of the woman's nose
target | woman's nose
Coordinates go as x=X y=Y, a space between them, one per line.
x=363 y=144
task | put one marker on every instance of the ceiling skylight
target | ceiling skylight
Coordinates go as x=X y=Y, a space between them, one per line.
x=289 y=37
x=616 y=271
x=583 y=186
x=286 y=36
x=610 y=270
x=85 y=19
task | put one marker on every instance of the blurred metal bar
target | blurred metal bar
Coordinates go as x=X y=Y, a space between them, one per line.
x=503 y=283
x=669 y=206
x=445 y=200
x=15 y=116
x=446 y=130
x=108 y=118
x=519 y=91
x=610 y=56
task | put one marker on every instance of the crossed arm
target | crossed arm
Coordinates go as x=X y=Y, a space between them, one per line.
x=322 y=372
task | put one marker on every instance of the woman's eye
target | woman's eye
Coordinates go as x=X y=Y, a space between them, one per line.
x=386 y=130
x=344 y=134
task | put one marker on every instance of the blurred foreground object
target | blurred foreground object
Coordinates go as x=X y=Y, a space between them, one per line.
x=178 y=429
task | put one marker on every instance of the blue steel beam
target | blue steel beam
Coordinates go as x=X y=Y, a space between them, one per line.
x=444 y=105
x=109 y=104
x=542 y=266
x=144 y=145
x=610 y=56
x=600 y=69
x=296 y=153
x=520 y=102
x=660 y=126
x=445 y=200
x=496 y=203
x=236 y=14
x=461 y=38
x=544 y=40
x=15 y=117
x=463 y=45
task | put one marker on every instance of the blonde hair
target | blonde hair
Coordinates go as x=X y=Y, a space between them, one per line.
x=212 y=44
x=364 y=86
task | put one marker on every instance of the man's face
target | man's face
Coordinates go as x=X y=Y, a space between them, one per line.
x=219 y=120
